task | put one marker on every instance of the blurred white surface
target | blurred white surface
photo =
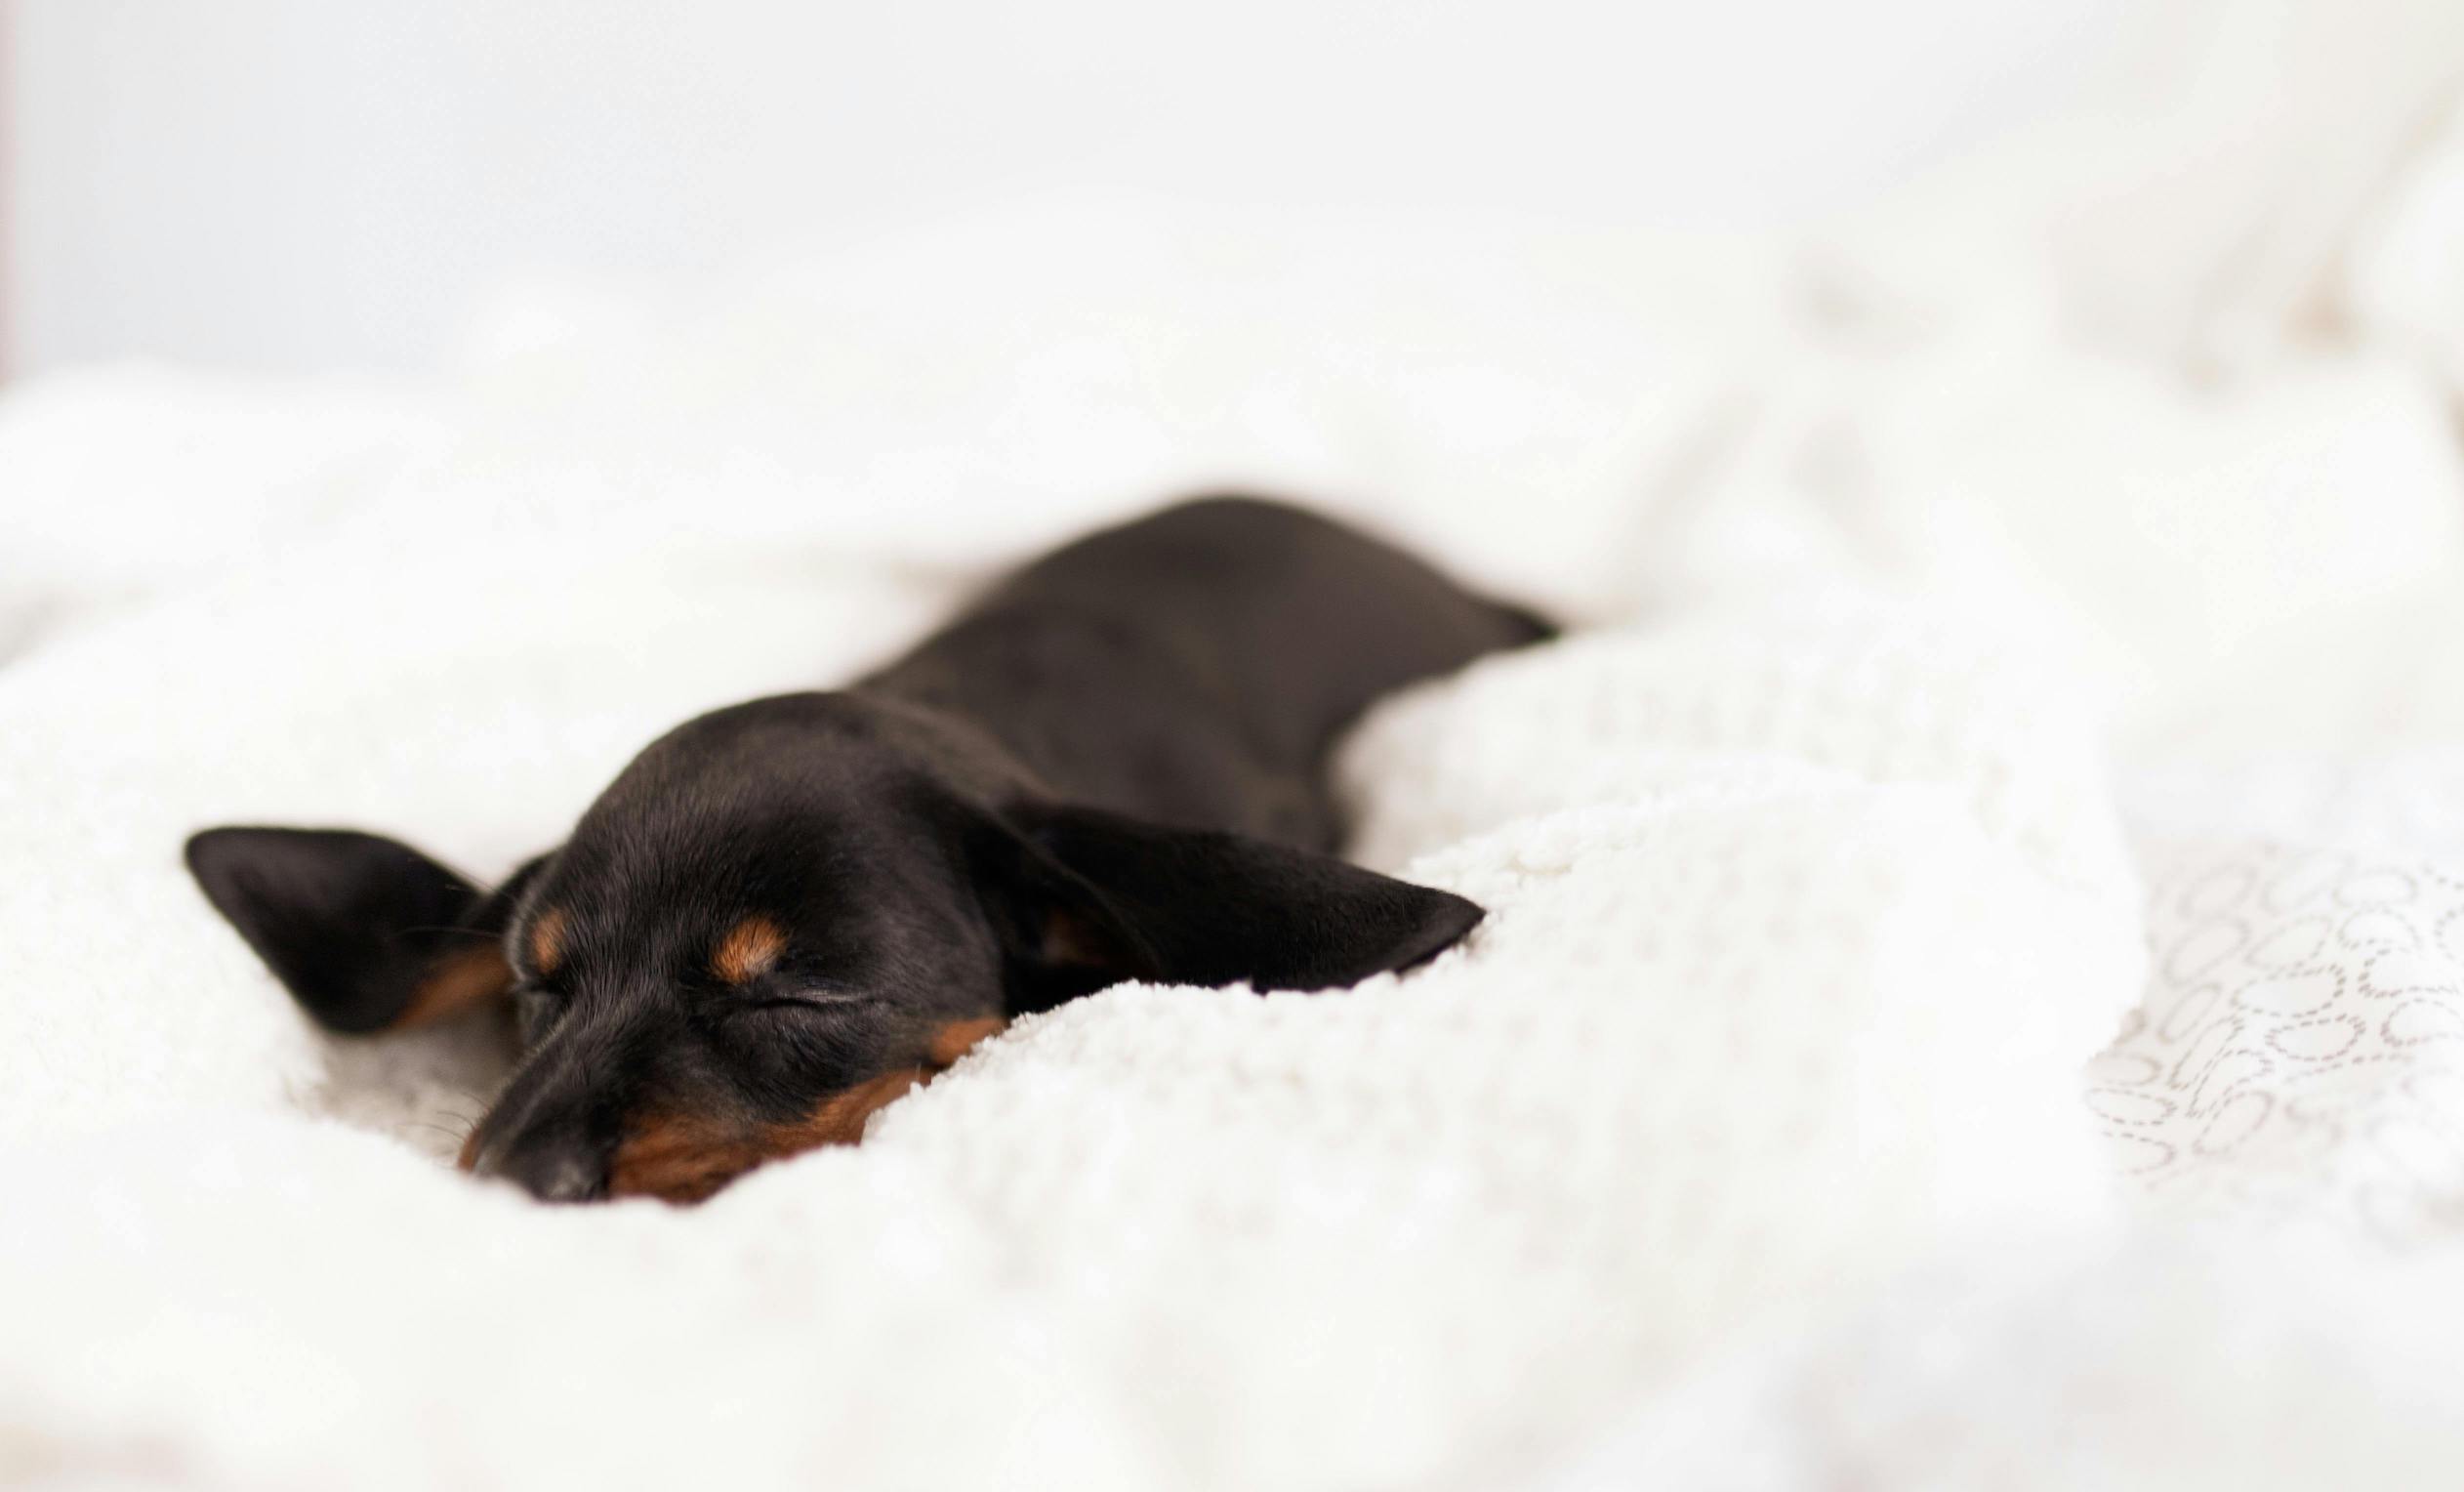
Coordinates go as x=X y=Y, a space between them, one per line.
x=309 y=183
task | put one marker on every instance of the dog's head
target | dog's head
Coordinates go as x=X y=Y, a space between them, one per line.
x=778 y=919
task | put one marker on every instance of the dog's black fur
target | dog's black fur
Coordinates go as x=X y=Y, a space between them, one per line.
x=784 y=913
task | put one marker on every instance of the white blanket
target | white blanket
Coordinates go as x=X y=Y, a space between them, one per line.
x=1951 y=701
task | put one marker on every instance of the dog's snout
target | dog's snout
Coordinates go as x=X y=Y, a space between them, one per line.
x=551 y=1173
x=554 y=1130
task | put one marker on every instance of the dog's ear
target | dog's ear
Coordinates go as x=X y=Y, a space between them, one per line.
x=1086 y=899
x=368 y=934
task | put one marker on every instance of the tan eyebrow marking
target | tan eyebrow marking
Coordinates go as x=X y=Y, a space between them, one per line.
x=547 y=940
x=749 y=949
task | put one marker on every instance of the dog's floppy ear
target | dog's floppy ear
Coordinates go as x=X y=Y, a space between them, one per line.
x=368 y=934
x=1087 y=899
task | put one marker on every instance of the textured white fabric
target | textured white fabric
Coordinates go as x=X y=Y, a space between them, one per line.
x=1159 y=1236
x=1754 y=1140
x=2301 y=1049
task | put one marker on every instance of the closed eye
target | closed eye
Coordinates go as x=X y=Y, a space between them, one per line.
x=814 y=999
x=792 y=1031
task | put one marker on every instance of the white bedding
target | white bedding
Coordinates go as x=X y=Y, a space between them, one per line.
x=1954 y=698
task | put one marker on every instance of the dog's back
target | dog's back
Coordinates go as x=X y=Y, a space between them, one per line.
x=1194 y=665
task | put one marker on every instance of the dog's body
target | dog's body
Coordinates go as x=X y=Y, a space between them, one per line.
x=784 y=913
x=1193 y=667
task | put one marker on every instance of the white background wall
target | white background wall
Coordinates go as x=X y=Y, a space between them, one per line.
x=307 y=184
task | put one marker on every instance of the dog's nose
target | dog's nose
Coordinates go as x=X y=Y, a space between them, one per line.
x=549 y=1173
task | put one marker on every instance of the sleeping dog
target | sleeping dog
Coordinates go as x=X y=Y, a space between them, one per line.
x=785 y=914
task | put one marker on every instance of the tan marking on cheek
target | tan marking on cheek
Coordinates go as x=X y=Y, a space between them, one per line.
x=956 y=1039
x=470 y=1155
x=677 y=1158
x=456 y=982
x=749 y=949
x=840 y=1119
x=547 y=940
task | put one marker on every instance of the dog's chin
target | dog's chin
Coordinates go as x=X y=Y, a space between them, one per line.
x=681 y=1180
x=682 y=1158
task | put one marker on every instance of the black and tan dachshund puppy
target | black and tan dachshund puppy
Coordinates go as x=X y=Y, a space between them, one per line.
x=784 y=913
